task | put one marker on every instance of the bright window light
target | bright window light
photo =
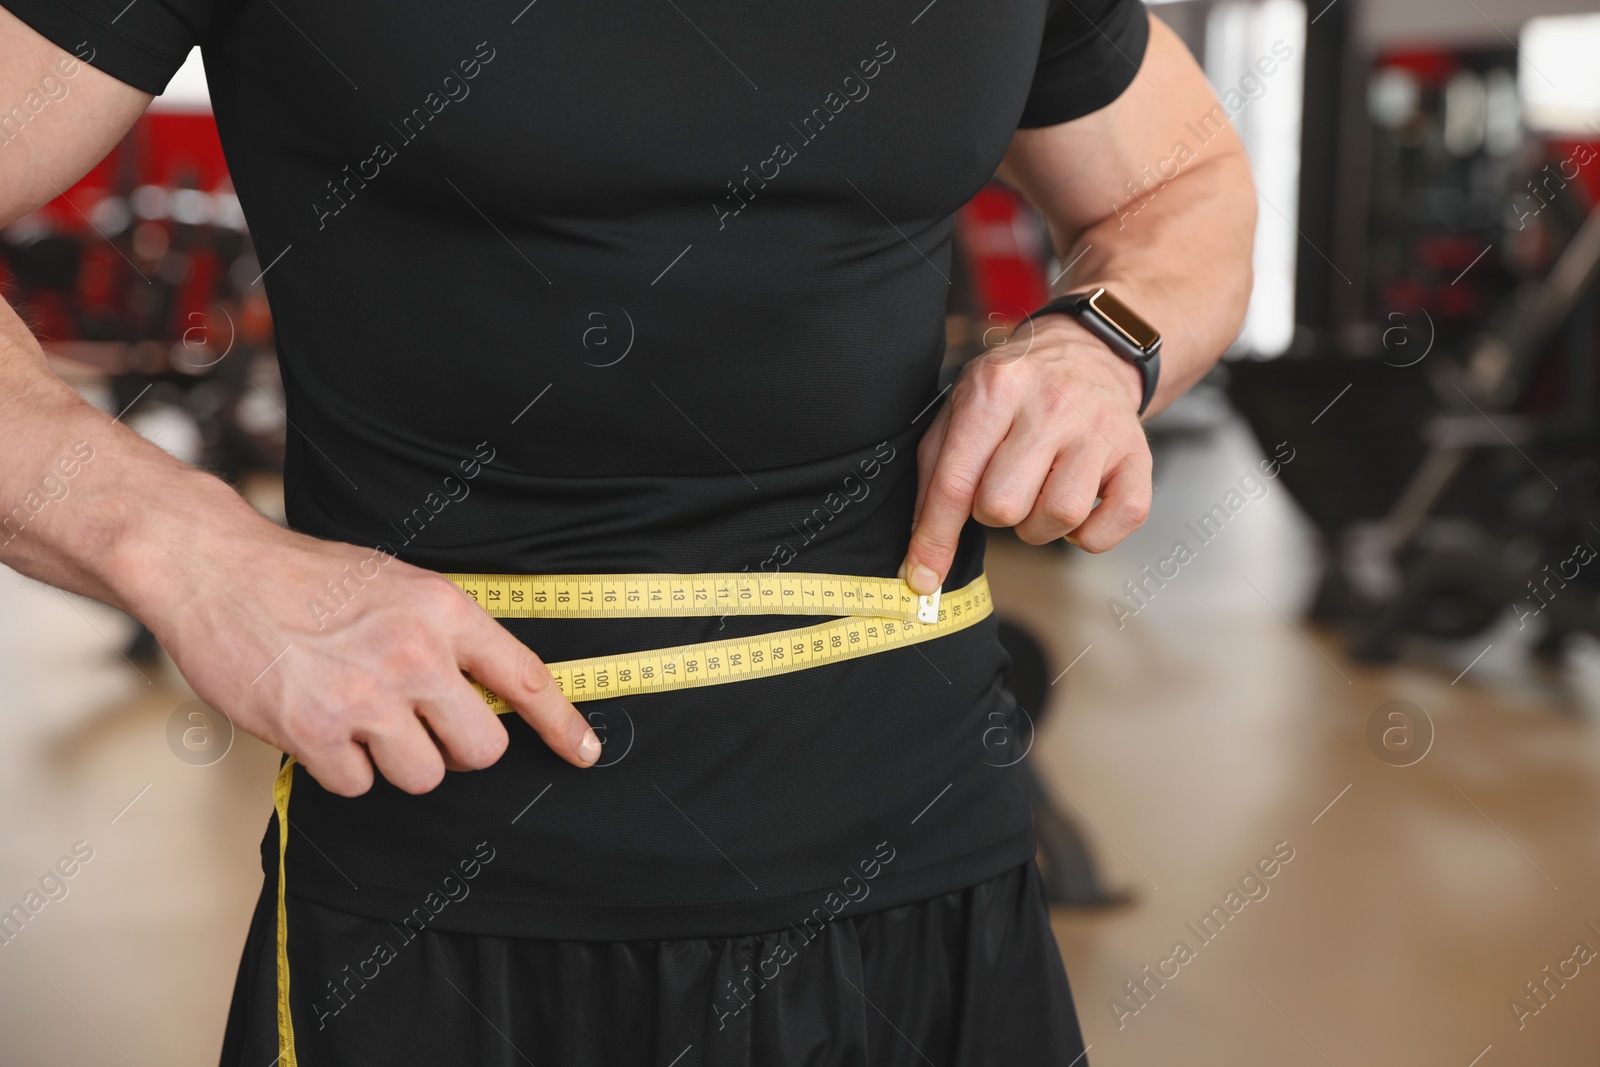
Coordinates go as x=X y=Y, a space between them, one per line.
x=1255 y=61
x=187 y=90
x=1558 y=76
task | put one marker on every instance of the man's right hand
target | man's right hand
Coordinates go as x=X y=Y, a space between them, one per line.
x=377 y=682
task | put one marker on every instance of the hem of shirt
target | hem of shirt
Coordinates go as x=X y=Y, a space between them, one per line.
x=133 y=62
x=1089 y=86
x=482 y=914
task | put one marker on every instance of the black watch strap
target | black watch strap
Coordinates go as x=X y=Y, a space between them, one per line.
x=1119 y=337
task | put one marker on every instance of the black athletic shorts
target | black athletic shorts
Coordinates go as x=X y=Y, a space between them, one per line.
x=972 y=978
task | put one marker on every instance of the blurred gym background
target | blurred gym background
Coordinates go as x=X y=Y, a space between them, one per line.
x=1371 y=670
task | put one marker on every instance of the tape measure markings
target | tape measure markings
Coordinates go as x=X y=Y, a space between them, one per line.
x=597 y=596
x=779 y=652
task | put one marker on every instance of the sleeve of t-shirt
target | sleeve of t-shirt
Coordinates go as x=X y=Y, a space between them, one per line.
x=1090 y=53
x=142 y=42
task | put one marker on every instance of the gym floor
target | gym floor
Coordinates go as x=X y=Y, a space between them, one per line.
x=1206 y=740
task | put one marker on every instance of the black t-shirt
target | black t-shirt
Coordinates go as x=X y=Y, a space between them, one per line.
x=605 y=286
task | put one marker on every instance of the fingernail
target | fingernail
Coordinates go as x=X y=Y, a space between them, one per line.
x=922 y=579
x=589 y=747
x=901 y=573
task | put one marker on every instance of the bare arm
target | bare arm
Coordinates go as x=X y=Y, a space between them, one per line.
x=224 y=589
x=1176 y=243
x=43 y=418
x=1033 y=442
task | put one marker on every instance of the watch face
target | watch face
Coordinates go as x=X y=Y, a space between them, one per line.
x=1125 y=319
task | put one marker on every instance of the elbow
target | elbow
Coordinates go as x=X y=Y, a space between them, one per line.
x=1247 y=268
x=1240 y=255
x=1241 y=301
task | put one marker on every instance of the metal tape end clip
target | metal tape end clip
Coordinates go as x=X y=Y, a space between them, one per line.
x=928 y=606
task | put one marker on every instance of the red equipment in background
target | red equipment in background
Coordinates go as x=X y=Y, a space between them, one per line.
x=144 y=272
x=1005 y=249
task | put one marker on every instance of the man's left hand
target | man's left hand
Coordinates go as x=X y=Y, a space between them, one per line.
x=1033 y=441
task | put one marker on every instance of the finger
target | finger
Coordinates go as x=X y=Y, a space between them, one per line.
x=968 y=443
x=502 y=663
x=927 y=456
x=1014 y=477
x=1068 y=495
x=404 y=752
x=468 y=733
x=1124 y=505
x=343 y=769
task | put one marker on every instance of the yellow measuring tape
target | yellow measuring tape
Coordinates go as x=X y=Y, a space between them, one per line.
x=877 y=614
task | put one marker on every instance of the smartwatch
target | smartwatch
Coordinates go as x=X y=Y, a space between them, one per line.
x=1120 y=327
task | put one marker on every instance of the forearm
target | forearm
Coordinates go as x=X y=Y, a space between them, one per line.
x=1132 y=206
x=1181 y=257
x=86 y=504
